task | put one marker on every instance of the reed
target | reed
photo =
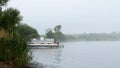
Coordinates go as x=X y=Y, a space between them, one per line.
x=13 y=49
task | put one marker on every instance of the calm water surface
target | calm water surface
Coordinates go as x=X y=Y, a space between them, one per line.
x=80 y=55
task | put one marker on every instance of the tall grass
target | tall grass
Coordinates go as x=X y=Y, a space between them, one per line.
x=13 y=49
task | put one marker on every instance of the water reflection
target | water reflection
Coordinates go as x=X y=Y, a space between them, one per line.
x=49 y=57
x=80 y=55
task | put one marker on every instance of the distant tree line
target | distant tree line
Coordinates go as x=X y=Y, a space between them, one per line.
x=28 y=33
x=94 y=37
x=58 y=35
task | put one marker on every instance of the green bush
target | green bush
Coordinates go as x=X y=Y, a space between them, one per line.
x=14 y=49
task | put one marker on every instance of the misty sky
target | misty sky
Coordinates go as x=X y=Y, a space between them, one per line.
x=75 y=16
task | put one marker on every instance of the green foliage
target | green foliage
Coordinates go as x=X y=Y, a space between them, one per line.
x=14 y=49
x=3 y=2
x=59 y=36
x=12 y=46
x=27 y=32
x=56 y=34
x=49 y=33
x=10 y=18
x=57 y=28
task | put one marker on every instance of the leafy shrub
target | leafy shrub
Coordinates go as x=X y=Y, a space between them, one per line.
x=14 y=49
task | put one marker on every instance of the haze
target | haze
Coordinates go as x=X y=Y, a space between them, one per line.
x=75 y=16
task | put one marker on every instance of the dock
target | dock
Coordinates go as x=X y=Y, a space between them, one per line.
x=49 y=43
x=44 y=45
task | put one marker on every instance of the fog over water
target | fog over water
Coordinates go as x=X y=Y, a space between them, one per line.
x=75 y=16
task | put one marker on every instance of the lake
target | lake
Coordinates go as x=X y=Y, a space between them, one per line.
x=80 y=55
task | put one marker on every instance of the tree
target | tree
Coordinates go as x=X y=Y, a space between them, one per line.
x=27 y=32
x=59 y=36
x=56 y=34
x=13 y=48
x=57 y=28
x=49 y=33
x=3 y=2
x=10 y=18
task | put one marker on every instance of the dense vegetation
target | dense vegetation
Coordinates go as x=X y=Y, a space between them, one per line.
x=27 y=32
x=13 y=48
